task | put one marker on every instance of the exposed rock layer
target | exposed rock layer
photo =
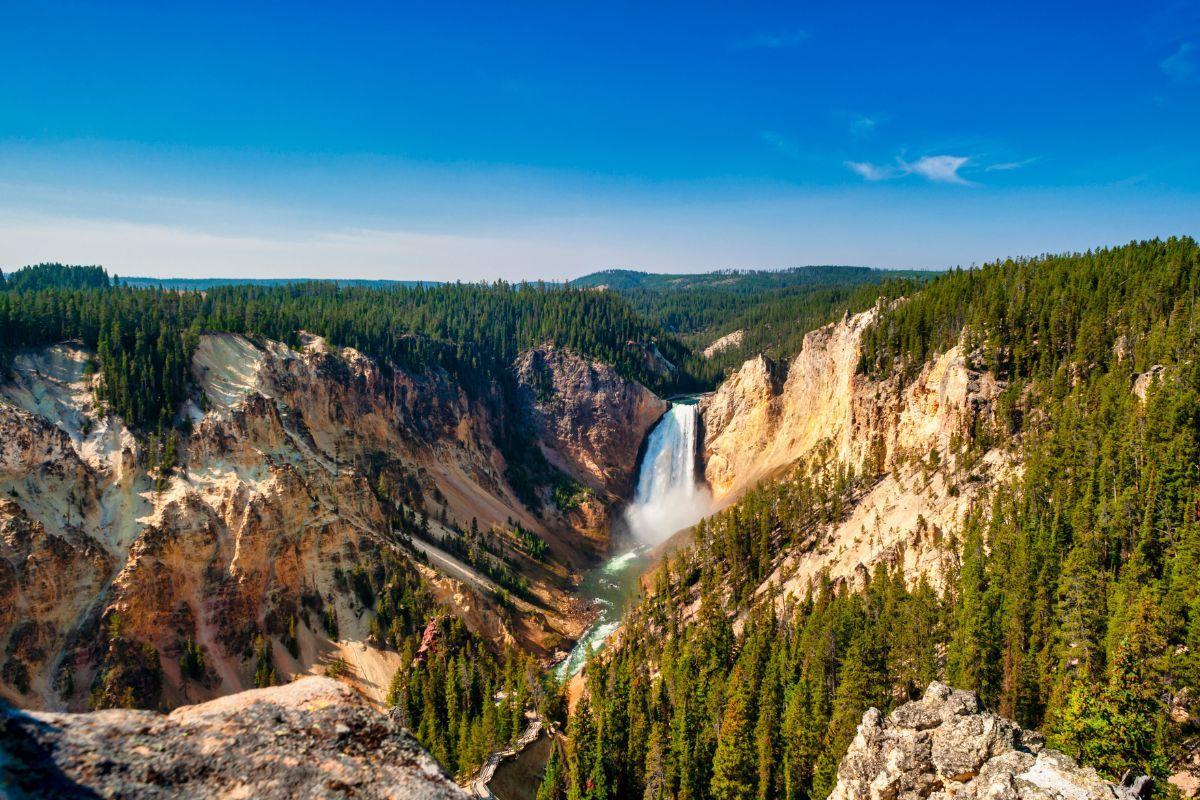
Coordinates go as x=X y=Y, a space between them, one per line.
x=945 y=746
x=725 y=342
x=909 y=435
x=589 y=420
x=309 y=739
x=301 y=465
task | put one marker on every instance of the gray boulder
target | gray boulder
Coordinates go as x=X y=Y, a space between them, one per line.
x=946 y=746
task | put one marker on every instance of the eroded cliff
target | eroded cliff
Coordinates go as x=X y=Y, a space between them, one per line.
x=589 y=420
x=907 y=436
x=308 y=478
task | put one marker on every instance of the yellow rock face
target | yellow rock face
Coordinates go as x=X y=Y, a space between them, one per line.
x=759 y=422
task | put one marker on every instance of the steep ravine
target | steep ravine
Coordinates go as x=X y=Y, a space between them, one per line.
x=301 y=465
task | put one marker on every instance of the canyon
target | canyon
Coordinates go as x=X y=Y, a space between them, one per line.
x=304 y=464
x=276 y=491
x=301 y=466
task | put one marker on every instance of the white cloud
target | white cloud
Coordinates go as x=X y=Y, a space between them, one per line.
x=939 y=169
x=773 y=41
x=1183 y=65
x=875 y=172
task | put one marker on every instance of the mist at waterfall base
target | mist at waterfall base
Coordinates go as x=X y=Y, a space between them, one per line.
x=667 y=497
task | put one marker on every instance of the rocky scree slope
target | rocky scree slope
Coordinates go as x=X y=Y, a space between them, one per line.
x=910 y=437
x=945 y=745
x=308 y=739
x=301 y=467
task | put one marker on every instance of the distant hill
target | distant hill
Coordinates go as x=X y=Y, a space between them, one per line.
x=728 y=315
x=741 y=280
x=58 y=276
x=200 y=284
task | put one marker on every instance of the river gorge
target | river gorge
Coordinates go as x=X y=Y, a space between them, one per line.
x=668 y=498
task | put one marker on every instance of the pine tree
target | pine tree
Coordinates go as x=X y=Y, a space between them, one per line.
x=656 y=783
x=857 y=690
x=735 y=762
x=582 y=751
x=553 y=778
x=803 y=734
x=766 y=734
x=1116 y=727
x=264 y=664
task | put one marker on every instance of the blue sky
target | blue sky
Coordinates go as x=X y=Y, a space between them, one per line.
x=476 y=141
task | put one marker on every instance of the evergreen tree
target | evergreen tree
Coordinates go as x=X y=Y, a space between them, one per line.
x=735 y=762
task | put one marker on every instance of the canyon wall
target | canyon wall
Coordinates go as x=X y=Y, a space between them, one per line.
x=590 y=422
x=302 y=468
x=907 y=436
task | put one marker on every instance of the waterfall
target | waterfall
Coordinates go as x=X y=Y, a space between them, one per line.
x=667 y=497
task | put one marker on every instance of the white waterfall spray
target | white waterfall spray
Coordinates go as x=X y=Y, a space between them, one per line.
x=667 y=497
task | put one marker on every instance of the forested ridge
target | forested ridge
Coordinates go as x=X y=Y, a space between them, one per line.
x=145 y=337
x=1075 y=605
x=772 y=308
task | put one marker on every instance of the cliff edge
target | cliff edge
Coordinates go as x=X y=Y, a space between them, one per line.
x=311 y=738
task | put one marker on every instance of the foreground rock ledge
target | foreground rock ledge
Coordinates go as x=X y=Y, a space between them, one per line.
x=944 y=745
x=311 y=738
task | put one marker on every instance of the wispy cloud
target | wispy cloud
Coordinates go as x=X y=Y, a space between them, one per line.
x=939 y=169
x=1008 y=166
x=1183 y=65
x=876 y=172
x=772 y=41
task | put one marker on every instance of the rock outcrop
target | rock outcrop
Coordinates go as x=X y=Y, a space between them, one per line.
x=725 y=342
x=311 y=738
x=590 y=421
x=909 y=433
x=758 y=421
x=1143 y=382
x=946 y=746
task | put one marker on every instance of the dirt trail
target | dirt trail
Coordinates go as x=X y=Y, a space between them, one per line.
x=455 y=568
